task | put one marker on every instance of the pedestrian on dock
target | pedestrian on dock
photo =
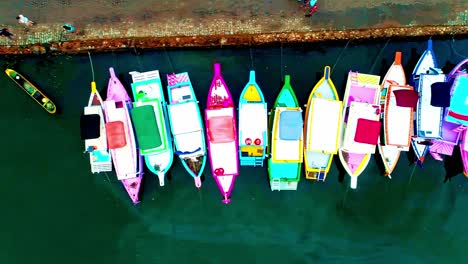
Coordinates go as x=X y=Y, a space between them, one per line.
x=6 y=33
x=312 y=5
x=25 y=21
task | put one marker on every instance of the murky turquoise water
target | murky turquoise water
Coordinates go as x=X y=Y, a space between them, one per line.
x=55 y=211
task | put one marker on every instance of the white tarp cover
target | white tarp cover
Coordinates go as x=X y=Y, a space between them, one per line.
x=323 y=125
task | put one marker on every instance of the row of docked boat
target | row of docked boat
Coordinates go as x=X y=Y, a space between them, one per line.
x=390 y=115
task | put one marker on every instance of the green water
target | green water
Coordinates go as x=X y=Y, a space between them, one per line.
x=55 y=211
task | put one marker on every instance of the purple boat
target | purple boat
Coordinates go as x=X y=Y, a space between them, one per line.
x=128 y=162
x=453 y=96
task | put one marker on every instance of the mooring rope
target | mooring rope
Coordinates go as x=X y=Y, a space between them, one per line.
x=455 y=51
x=251 y=57
x=138 y=58
x=91 y=63
x=339 y=56
x=281 y=61
x=169 y=59
x=378 y=56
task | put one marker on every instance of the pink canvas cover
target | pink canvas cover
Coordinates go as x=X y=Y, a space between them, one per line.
x=115 y=134
x=220 y=129
x=406 y=98
x=367 y=131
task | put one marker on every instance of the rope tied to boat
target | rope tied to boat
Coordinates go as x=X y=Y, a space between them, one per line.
x=91 y=63
x=169 y=59
x=339 y=56
x=378 y=56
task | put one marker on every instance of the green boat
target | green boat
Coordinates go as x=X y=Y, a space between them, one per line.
x=32 y=91
x=286 y=153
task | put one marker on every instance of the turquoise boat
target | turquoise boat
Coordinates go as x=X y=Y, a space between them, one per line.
x=253 y=124
x=186 y=125
x=286 y=155
x=151 y=123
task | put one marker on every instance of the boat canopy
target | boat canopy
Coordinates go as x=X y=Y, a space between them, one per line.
x=90 y=126
x=406 y=98
x=440 y=94
x=146 y=127
x=116 y=135
x=458 y=110
x=220 y=129
x=290 y=125
x=367 y=131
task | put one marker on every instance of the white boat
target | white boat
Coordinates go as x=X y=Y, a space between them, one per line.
x=93 y=132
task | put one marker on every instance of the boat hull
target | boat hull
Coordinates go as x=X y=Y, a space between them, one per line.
x=127 y=160
x=186 y=125
x=389 y=152
x=360 y=88
x=253 y=124
x=286 y=153
x=151 y=123
x=99 y=155
x=40 y=98
x=221 y=135
x=321 y=135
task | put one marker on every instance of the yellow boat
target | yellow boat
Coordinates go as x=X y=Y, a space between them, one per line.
x=32 y=91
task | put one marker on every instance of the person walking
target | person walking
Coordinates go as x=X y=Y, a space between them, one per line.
x=6 y=33
x=25 y=21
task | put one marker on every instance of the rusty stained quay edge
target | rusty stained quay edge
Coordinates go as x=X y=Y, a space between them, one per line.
x=257 y=39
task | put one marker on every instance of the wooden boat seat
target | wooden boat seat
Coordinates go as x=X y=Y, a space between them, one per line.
x=116 y=135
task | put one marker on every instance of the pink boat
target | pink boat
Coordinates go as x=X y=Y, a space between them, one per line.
x=360 y=126
x=128 y=162
x=220 y=121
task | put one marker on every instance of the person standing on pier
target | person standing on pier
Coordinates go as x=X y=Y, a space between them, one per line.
x=25 y=21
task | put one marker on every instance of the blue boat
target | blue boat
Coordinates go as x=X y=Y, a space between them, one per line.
x=424 y=74
x=286 y=154
x=186 y=125
x=253 y=124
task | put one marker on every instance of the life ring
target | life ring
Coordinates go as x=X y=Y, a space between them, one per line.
x=257 y=141
x=219 y=171
x=248 y=141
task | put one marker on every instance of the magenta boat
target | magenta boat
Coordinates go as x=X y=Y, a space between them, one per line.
x=128 y=162
x=452 y=95
x=360 y=126
x=220 y=121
